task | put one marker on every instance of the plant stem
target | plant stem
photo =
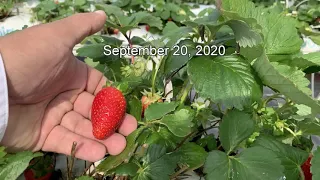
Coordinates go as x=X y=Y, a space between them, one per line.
x=186 y=91
x=174 y=73
x=293 y=134
x=87 y=168
x=154 y=75
x=219 y=107
x=130 y=44
x=284 y=107
x=184 y=140
x=70 y=165
x=183 y=169
x=208 y=128
x=270 y=98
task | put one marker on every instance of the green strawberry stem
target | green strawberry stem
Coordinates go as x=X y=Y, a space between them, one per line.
x=185 y=91
x=274 y=96
x=302 y=177
x=154 y=75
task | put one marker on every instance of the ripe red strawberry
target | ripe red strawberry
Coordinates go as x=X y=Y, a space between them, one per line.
x=147 y=27
x=107 y=112
x=306 y=169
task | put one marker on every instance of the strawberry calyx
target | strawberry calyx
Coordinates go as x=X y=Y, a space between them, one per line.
x=151 y=98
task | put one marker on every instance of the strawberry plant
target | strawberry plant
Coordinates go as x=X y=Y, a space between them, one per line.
x=51 y=10
x=158 y=11
x=206 y=111
x=6 y=8
x=13 y=165
x=306 y=13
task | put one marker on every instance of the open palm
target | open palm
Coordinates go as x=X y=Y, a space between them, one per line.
x=51 y=92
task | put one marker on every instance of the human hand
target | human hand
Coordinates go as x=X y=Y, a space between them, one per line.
x=51 y=92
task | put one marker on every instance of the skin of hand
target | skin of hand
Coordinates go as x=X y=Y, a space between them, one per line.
x=51 y=92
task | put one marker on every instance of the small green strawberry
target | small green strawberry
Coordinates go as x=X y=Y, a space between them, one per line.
x=108 y=111
x=135 y=69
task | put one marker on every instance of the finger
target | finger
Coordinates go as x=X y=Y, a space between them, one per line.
x=96 y=81
x=76 y=123
x=75 y=28
x=83 y=104
x=60 y=140
x=128 y=125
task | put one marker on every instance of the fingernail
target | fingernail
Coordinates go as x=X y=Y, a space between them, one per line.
x=100 y=12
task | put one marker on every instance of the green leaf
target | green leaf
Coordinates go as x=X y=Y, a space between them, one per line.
x=173 y=36
x=158 y=110
x=228 y=80
x=165 y=14
x=279 y=32
x=154 y=152
x=122 y=3
x=291 y=158
x=287 y=80
x=112 y=41
x=303 y=61
x=110 y=9
x=299 y=60
x=114 y=161
x=245 y=36
x=257 y=163
x=177 y=17
x=160 y=168
x=235 y=127
x=48 y=5
x=145 y=18
x=170 y=26
x=315 y=164
x=127 y=169
x=80 y=2
x=2 y=154
x=309 y=127
x=192 y=155
x=251 y=164
x=92 y=51
x=315 y=39
x=208 y=141
x=84 y=178
x=16 y=164
x=303 y=112
x=217 y=166
x=176 y=58
x=136 y=40
x=179 y=123
x=164 y=137
x=135 y=108
x=205 y=11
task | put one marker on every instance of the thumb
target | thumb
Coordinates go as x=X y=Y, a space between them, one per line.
x=75 y=28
